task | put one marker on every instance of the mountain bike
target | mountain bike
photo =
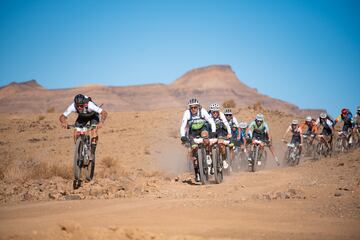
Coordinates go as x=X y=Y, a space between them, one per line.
x=83 y=158
x=258 y=155
x=207 y=159
x=292 y=155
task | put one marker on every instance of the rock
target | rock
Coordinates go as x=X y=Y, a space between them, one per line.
x=337 y=194
x=340 y=164
x=120 y=194
x=72 y=197
x=70 y=226
x=27 y=197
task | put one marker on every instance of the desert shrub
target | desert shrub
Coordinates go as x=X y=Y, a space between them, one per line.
x=108 y=162
x=50 y=110
x=229 y=104
x=41 y=117
x=31 y=169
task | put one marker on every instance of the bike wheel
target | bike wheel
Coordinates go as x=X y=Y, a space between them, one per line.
x=90 y=169
x=78 y=159
x=217 y=164
x=227 y=159
x=201 y=164
x=255 y=159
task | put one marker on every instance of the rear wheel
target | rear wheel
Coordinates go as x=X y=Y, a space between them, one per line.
x=90 y=169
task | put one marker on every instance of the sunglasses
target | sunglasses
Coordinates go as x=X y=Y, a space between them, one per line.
x=194 y=107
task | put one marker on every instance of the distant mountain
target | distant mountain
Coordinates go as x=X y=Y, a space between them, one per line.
x=215 y=83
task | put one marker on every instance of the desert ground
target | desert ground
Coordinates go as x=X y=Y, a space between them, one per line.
x=142 y=189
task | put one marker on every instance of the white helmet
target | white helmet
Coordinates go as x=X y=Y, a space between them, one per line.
x=295 y=122
x=228 y=111
x=214 y=107
x=323 y=115
x=193 y=101
x=308 y=118
x=259 y=117
x=243 y=125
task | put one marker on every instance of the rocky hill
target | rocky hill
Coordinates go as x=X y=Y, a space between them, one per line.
x=215 y=83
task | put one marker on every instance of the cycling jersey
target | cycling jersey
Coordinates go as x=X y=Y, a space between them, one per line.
x=222 y=125
x=89 y=109
x=196 y=122
x=263 y=129
x=347 y=119
x=311 y=128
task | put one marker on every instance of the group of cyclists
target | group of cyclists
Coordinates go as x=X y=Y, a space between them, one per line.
x=213 y=123
x=217 y=124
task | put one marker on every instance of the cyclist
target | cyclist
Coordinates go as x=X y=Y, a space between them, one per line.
x=327 y=129
x=310 y=125
x=87 y=112
x=296 y=131
x=259 y=129
x=235 y=131
x=347 y=118
x=244 y=136
x=193 y=124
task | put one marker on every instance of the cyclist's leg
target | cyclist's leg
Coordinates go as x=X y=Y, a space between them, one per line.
x=94 y=120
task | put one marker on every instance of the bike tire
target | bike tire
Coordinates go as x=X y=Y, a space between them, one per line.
x=227 y=159
x=218 y=174
x=255 y=159
x=90 y=170
x=201 y=165
x=77 y=164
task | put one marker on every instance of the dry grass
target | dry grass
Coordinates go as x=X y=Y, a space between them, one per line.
x=50 y=110
x=108 y=162
x=41 y=117
x=229 y=104
x=31 y=169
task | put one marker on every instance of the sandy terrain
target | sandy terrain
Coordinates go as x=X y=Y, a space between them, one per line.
x=141 y=188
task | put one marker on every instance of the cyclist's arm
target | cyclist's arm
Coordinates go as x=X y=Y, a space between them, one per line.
x=209 y=120
x=186 y=117
x=225 y=121
x=286 y=132
x=267 y=130
x=250 y=129
x=68 y=111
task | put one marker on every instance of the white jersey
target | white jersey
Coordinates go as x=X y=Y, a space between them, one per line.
x=224 y=120
x=234 y=121
x=90 y=108
x=328 y=122
x=187 y=116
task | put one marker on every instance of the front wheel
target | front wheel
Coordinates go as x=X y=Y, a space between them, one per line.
x=78 y=161
x=217 y=164
x=201 y=164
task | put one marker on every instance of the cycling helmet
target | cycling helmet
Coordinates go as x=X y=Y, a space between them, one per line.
x=243 y=125
x=214 y=107
x=228 y=111
x=308 y=118
x=344 y=111
x=79 y=99
x=259 y=117
x=323 y=115
x=295 y=122
x=193 y=102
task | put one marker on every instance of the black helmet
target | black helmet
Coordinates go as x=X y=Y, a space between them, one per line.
x=79 y=99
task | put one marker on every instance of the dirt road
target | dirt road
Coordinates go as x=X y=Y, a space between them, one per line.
x=315 y=200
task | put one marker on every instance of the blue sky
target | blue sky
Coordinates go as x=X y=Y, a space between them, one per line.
x=304 y=52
